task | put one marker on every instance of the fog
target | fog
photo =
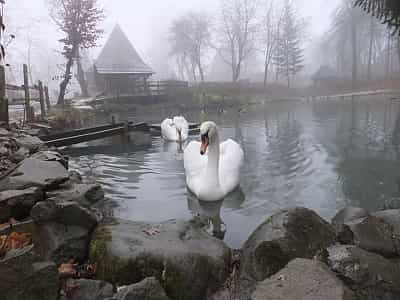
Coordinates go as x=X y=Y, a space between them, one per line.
x=148 y=26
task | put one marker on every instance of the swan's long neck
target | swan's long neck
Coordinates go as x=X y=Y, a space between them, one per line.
x=212 y=172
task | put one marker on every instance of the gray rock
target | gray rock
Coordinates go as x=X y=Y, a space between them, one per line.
x=89 y=290
x=292 y=233
x=4 y=132
x=149 y=289
x=4 y=151
x=348 y=214
x=188 y=262
x=64 y=212
x=22 y=278
x=32 y=143
x=18 y=203
x=303 y=279
x=373 y=234
x=52 y=156
x=74 y=177
x=84 y=194
x=392 y=217
x=369 y=275
x=33 y=172
x=391 y=203
x=61 y=243
x=19 y=155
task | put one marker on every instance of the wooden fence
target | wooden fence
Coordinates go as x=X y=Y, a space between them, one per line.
x=23 y=95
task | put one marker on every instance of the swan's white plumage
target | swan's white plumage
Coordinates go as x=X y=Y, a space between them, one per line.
x=169 y=129
x=230 y=161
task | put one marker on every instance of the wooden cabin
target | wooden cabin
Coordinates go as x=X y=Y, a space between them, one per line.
x=119 y=70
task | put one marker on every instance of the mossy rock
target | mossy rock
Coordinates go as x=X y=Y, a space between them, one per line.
x=187 y=261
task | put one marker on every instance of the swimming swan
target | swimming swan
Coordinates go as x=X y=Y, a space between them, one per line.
x=176 y=129
x=212 y=174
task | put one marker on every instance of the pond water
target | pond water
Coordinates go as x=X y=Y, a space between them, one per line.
x=321 y=155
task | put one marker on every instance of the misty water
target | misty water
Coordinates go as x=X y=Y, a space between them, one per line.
x=322 y=155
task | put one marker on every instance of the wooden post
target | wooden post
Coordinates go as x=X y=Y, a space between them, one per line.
x=27 y=97
x=3 y=100
x=41 y=98
x=31 y=114
x=46 y=94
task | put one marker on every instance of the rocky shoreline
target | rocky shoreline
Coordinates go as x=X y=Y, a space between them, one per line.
x=55 y=244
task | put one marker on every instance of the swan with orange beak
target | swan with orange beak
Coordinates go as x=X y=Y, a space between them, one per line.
x=212 y=169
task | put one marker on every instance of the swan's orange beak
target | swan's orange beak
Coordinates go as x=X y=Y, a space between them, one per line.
x=204 y=145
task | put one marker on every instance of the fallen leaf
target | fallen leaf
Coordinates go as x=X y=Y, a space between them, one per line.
x=68 y=269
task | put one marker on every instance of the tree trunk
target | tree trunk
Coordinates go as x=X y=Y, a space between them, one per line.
x=371 y=43
x=201 y=71
x=398 y=48
x=64 y=83
x=81 y=78
x=354 y=51
x=388 y=54
x=265 y=73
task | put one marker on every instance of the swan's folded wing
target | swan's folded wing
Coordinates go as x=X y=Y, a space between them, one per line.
x=194 y=164
x=231 y=160
x=168 y=132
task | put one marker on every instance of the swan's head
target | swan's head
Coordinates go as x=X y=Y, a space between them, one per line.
x=208 y=133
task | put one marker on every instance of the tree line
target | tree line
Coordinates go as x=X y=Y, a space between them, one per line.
x=241 y=28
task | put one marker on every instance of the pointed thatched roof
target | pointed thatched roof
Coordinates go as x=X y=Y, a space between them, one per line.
x=120 y=57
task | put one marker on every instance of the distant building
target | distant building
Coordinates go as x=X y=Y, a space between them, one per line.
x=119 y=69
x=325 y=76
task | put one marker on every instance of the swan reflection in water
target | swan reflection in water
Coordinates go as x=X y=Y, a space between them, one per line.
x=208 y=213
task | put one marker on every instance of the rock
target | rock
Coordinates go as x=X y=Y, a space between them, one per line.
x=32 y=143
x=52 y=156
x=34 y=172
x=18 y=203
x=303 y=279
x=4 y=132
x=85 y=194
x=392 y=217
x=392 y=203
x=188 y=262
x=61 y=243
x=64 y=212
x=369 y=275
x=373 y=234
x=292 y=233
x=19 y=155
x=87 y=289
x=149 y=289
x=74 y=177
x=4 y=151
x=348 y=214
x=21 y=277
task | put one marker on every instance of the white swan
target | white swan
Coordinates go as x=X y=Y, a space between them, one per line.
x=176 y=129
x=212 y=174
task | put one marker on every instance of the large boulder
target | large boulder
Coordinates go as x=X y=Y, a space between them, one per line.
x=392 y=217
x=187 y=261
x=33 y=172
x=32 y=143
x=86 y=289
x=373 y=234
x=348 y=214
x=303 y=279
x=21 y=277
x=52 y=156
x=369 y=275
x=148 y=288
x=291 y=233
x=84 y=194
x=18 y=203
x=64 y=212
x=61 y=243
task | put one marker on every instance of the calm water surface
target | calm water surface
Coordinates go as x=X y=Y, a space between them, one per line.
x=321 y=155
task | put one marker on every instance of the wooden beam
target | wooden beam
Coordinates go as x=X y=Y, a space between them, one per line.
x=47 y=98
x=41 y=99
x=3 y=99
x=27 y=98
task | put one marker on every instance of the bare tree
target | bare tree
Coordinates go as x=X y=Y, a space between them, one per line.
x=79 y=21
x=238 y=33
x=190 y=36
x=269 y=38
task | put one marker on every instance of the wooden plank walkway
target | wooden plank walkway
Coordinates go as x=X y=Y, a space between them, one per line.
x=90 y=134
